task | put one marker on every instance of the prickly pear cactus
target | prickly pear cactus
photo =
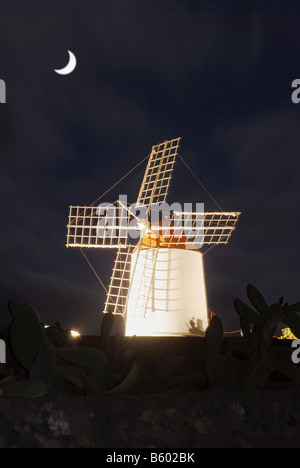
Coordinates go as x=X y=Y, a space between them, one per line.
x=259 y=325
x=27 y=334
x=218 y=371
x=106 y=325
x=27 y=388
x=214 y=336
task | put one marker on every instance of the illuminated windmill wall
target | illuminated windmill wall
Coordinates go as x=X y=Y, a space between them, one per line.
x=157 y=282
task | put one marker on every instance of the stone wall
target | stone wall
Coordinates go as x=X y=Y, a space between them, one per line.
x=204 y=419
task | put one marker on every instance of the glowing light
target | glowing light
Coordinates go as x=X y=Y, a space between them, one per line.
x=74 y=333
x=167 y=290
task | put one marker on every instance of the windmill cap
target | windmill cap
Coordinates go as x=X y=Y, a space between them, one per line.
x=162 y=234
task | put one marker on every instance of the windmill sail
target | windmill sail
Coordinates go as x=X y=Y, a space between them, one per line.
x=104 y=226
x=195 y=229
x=155 y=185
x=117 y=293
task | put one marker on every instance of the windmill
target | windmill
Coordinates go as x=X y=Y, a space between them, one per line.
x=157 y=282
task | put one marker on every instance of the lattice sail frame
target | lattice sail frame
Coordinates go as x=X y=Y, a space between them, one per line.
x=118 y=228
x=156 y=182
x=115 y=226
x=196 y=228
x=119 y=286
x=90 y=226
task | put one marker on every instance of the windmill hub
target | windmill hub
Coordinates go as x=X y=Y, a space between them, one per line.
x=143 y=226
x=157 y=282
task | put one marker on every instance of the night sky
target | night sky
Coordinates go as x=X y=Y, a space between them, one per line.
x=216 y=74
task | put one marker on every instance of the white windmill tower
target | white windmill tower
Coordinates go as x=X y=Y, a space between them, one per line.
x=157 y=282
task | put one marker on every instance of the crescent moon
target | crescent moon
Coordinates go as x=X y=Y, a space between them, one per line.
x=69 y=67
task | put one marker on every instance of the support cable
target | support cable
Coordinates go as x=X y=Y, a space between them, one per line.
x=204 y=188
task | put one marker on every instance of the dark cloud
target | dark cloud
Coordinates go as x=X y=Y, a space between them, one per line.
x=264 y=169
